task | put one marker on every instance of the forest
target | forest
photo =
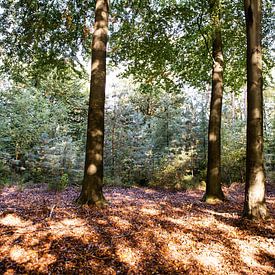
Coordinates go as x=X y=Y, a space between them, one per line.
x=137 y=137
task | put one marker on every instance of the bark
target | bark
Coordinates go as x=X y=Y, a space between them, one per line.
x=91 y=193
x=254 y=205
x=213 y=181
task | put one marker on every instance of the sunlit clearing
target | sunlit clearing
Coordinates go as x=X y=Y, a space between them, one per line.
x=13 y=220
x=128 y=255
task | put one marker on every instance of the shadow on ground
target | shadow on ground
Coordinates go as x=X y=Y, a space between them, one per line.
x=143 y=231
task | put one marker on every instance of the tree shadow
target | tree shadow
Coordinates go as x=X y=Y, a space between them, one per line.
x=142 y=231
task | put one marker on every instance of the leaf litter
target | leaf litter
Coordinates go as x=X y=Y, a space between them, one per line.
x=142 y=231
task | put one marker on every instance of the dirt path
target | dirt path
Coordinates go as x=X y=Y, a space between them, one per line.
x=143 y=231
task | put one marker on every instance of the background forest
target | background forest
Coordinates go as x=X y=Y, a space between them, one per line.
x=157 y=108
x=165 y=168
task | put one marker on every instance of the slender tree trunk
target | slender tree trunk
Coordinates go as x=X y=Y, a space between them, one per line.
x=233 y=109
x=254 y=205
x=113 y=148
x=167 y=127
x=91 y=193
x=213 y=182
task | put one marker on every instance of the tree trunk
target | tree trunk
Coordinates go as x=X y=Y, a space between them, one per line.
x=254 y=205
x=91 y=193
x=213 y=182
x=113 y=147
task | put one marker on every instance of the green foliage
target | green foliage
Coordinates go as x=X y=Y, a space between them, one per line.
x=176 y=173
x=233 y=165
x=58 y=184
x=39 y=36
x=5 y=174
x=143 y=129
x=64 y=181
x=233 y=140
x=168 y=44
x=21 y=132
x=156 y=125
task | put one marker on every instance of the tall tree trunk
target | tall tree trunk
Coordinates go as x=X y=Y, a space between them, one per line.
x=213 y=182
x=254 y=205
x=91 y=193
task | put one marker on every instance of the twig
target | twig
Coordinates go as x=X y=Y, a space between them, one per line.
x=50 y=216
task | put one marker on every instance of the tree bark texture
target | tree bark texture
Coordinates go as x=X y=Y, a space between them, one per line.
x=213 y=181
x=254 y=206
x=91 y=193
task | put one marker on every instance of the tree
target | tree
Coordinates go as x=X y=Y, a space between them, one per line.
x=254 y=205
x=213 y=181
x=91 y=193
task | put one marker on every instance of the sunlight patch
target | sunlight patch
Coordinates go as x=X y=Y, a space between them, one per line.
x=13 y=220
x=210 y=259
x=175 y=251
x=91 y=170
x=212 y=137
x=176 y=221
x=150 y=211
x=149 y=191
x=128 y=255
x=21 y=255
x=211 y=256
x=247 y=252
x=120 y=222
x=69 y=227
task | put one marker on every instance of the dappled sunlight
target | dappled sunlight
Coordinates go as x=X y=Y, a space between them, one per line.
x=68 y=227
x=212 y=137
x=92 y=169
x=249 y=249
x=119 y=222
x=142 y=230
x=210 y=259
x=176 y=221
x=150 y=191
x=128 y=255
x=14 y=220
x=95 y=65
x=150 y=211
x=21 y=255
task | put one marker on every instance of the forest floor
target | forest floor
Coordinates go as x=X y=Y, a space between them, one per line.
x=143 y=231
